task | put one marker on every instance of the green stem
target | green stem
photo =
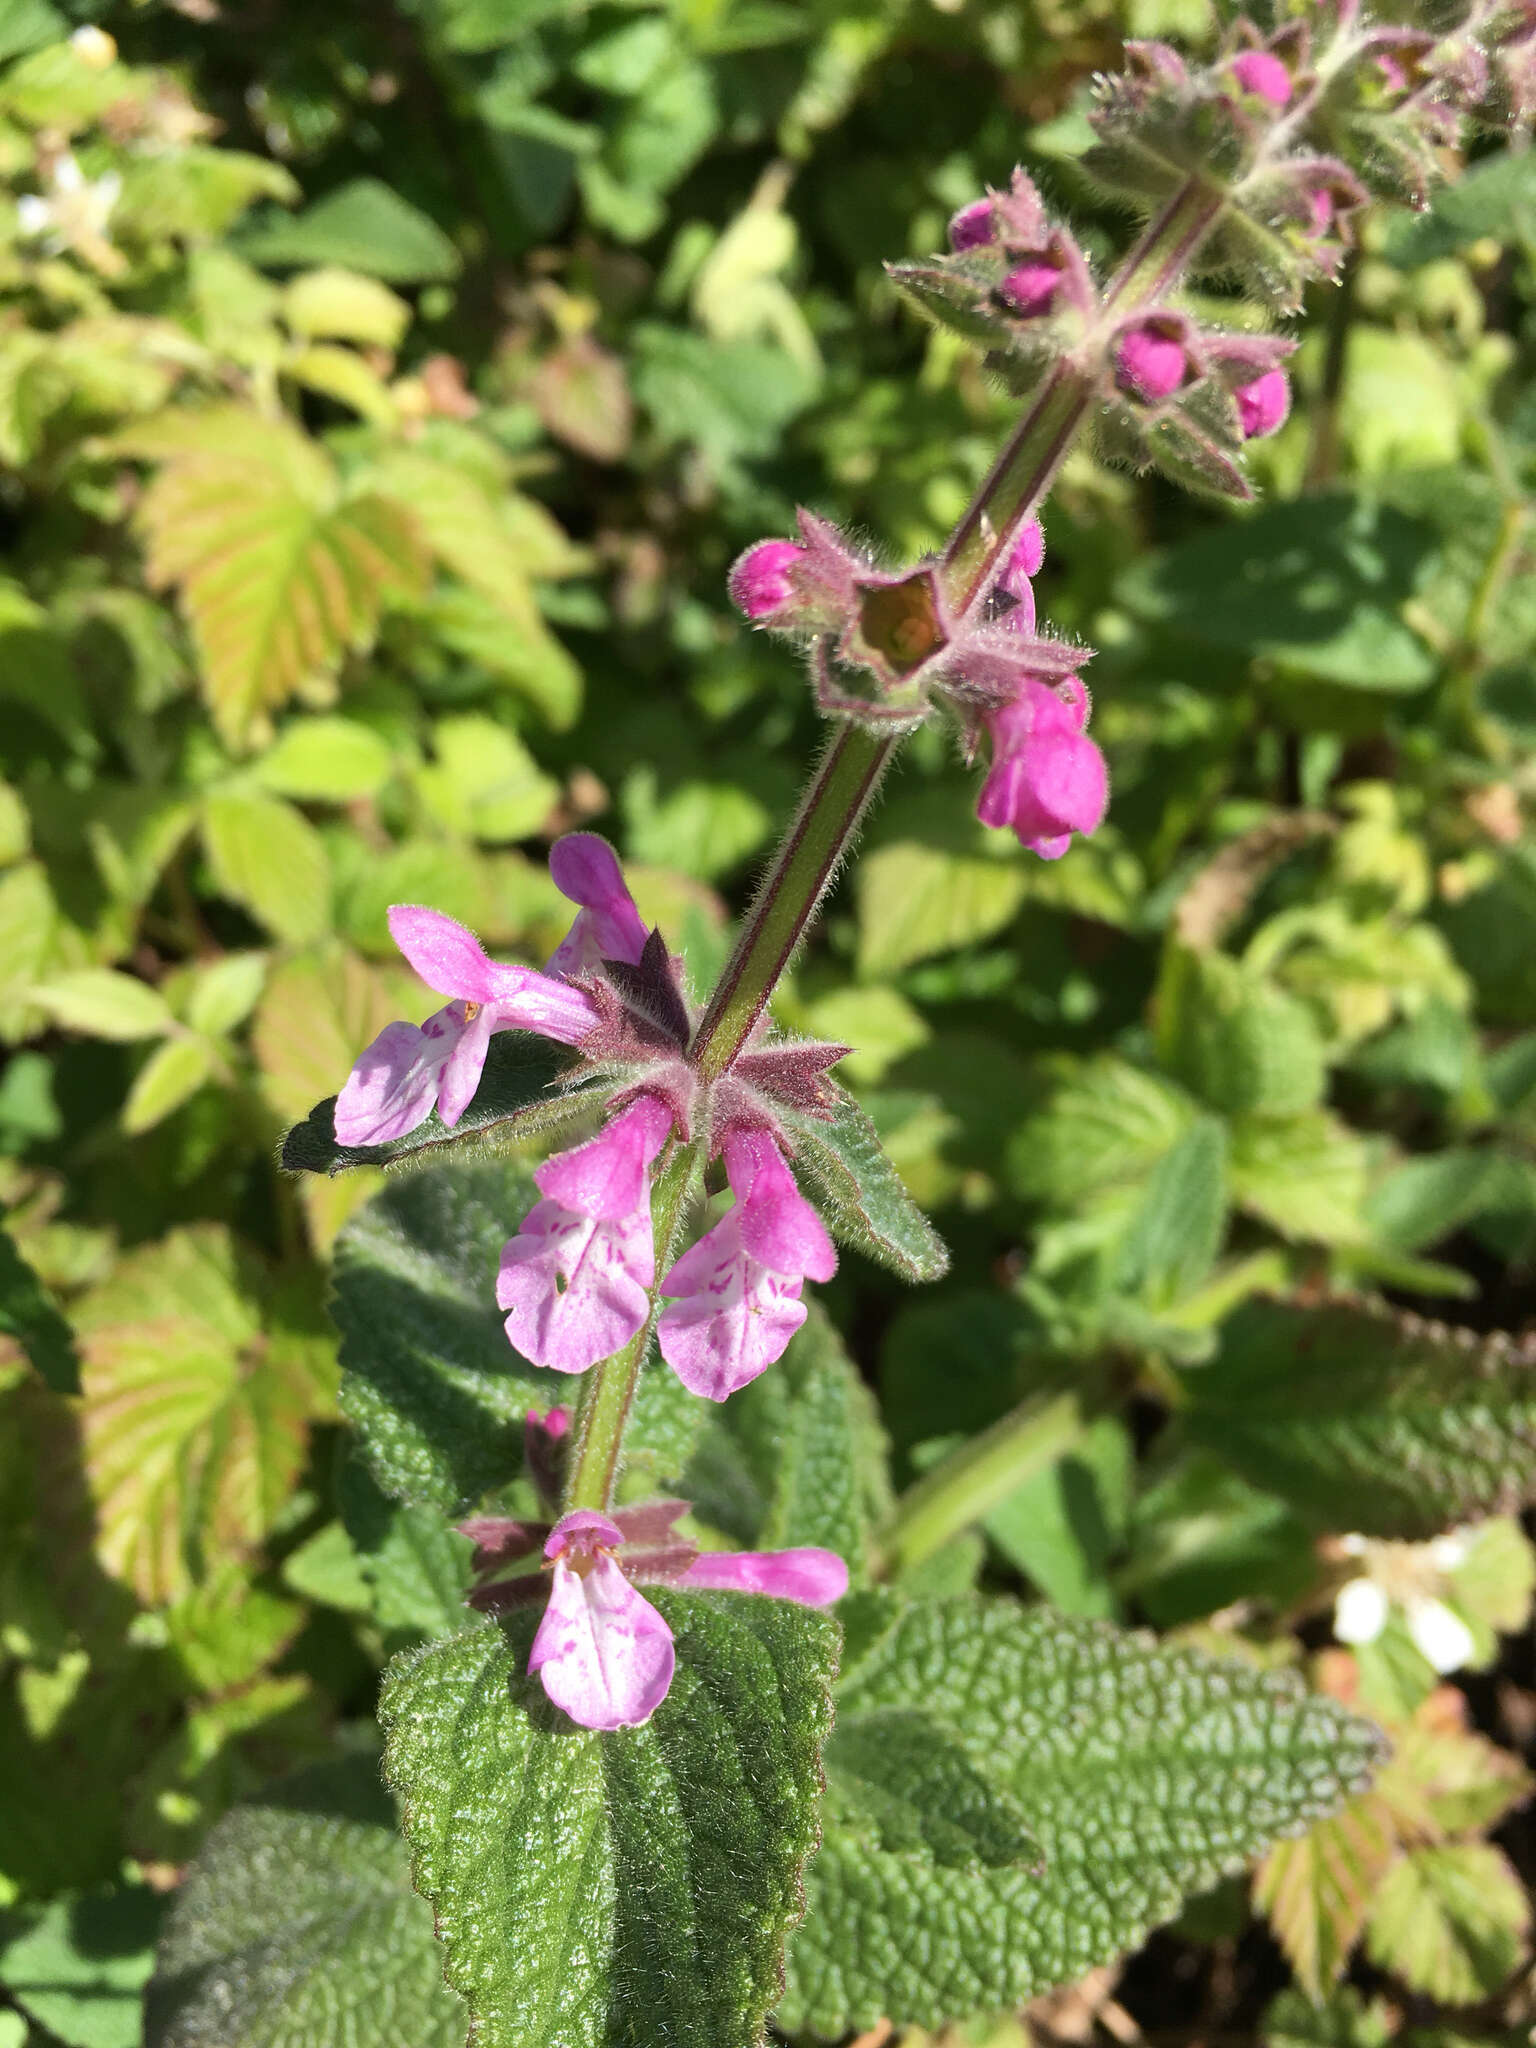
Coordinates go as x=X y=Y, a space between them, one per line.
x=813 y=847
x=966 y=1486
x=608 y=1391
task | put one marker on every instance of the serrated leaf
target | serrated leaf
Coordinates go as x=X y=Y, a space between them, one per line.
x=1317 y=1892
x=1107 y=1124
x=898 y=1779
x=1145 y=1772
x=280 y=575
x=1451 y=1921
x=267 y=857
x=917 y=900
x=28 y=1313
x=195 y=1416
x=172 y=1073
x=494 y=549
x=1366 y=1419
x=1240 y=1043
x=651 y=1874
x=105 y=1003
x=1174 y=1236
x=516 y=1098
x=298 y=1924
x=867 y=1204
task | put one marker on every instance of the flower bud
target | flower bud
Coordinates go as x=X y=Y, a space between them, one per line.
x=759 y=583
x=1261 y=73
x=973 y=227
x=1031 y=288
x=1263 y=404
x=1150 y=362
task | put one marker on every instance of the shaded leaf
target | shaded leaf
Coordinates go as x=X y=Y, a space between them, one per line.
x=28 y=1313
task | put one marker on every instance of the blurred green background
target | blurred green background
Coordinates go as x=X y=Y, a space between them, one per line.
x=384 y=393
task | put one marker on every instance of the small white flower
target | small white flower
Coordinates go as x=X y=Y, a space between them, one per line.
x=74 y=212
x=1359 y=1611
x=1441 y=1635
x=94 y=46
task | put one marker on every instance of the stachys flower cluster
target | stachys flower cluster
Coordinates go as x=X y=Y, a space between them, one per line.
x=576 y=1282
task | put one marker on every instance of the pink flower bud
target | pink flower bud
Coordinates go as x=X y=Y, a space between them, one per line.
x=1149 y=363
x=1047 y=779
x=973 y=227
x=1262 y=73
x=1028 y=554
x=1263 y=404
x=1032 y=288
x=759 y=583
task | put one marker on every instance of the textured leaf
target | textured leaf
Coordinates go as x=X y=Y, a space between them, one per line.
x=898 y=1779
x=514 y=1100
x=194 y=1416
x=1177 y=1230
x=1451 y=1920
x=413 y=1564
x=28 y=1313
x=298 y=1925
x=1364 y=1419
x=1239 y=1042
x=1144 y=1772
x=650 y=1874
x=280 y=575
x=867 y=1204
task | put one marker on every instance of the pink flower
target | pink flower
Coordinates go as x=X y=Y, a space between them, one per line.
x=1014 y=580
x=409 y=1069
x=973 y=227
x=1047 y=779
x=608 y=926
x=602 y=1652
x=574 y=1280
x=760 y=583
x=1031 y=287
x=1262 y=73
x=1150 y=363
x=738 y=1288
x=1263 y=404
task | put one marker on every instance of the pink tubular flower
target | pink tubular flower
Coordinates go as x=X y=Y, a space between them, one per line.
x=1150 y=363
x=1262 y=73
x=973 y=227
x=1263 y=404
x=573 y=1281
x=602 y=1652
x=608 y=926
x=1031 y=287
x=408 y=1070
x=759 y=583
x=738 y=1289
x=1047 y=779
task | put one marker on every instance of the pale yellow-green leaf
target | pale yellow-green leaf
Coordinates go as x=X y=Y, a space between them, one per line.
x=318 y=1013
x=105 y=1003
x=267 y=857
x=340 y=373
x=224 y=993
x=460 y=522
x=280 y=576
x=28 y=920
x=193 y=1418
x=880 y=1025
x=15 y=826
x=528 y=657
x=1316 y=1891
x=917 y=900
x=342 y=305
x=1306 y=1175
x=325 y=759
x=172 y=1073
x=1450 y=1920
x=484 y=782
x=1400 y=407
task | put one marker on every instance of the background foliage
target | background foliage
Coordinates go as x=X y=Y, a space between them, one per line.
x=383 y=395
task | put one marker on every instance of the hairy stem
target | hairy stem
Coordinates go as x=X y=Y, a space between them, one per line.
x=967 y=1485
x=608 y=1390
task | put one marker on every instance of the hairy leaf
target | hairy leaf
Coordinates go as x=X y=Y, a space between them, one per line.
x=899 y=1780
x=298 y=1924
x=1144 y=1772
x=867 y=1204
x=650 y=1874
x=1366 y=1419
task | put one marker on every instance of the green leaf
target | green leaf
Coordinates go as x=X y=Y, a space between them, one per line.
x=731 y=399
x=330 y=760
x=1146 y=1773
x=516 y=1097
x=224 y=993
x=1314 y=585
x=1316 y=1892
x=484 y=783
x=298 y=1924
x=169 y=1077
x=1450 y=1919
x=413 y=1564
x=1107 y=1124
x=341 y=305
x=362 y=225
x=28 y=1314
x=267 y=857
x=105 y=1003
x=81 y=1970
x=899 y=1779
x=867 y=1205
x=1240 y=1043
x=1177 y=1230
x=1370 y=1420
x=1306 y=1175
x=1496 y=197
x=917 y=900
x=651 y=1874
